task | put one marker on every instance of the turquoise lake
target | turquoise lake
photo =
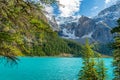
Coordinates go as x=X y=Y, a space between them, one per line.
x=47 y=68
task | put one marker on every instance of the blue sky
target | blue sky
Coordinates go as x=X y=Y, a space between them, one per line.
x=91 y=7
x=88 y=8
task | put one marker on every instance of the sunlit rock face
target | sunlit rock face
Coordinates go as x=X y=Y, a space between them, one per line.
x=109 y=15
x=96 y=29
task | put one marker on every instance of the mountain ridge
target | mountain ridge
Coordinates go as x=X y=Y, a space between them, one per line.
x=97 y=29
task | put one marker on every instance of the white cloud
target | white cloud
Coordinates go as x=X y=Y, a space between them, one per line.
x=109 y=2
x=69 y=7
x=94 y=8
x=49 y=9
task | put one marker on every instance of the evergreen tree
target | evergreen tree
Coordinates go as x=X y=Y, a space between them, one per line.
x=25 y=31
x=17 y=19
x=88 y=72
x=101 y=70
x=116 y=53
x=92 y=70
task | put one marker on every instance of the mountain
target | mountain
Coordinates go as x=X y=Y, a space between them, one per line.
x=109 y=15
x=52 y=21
x=97 y=29
x=25 y=30
x=67 y=27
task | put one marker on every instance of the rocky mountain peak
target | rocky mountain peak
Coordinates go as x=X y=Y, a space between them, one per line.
x=97 y=28
x=83 y=19
x=112 y=9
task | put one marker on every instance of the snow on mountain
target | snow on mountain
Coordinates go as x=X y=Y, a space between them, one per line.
x=64 y=20
x=79 y=27
x=109 y=15
x=66 y=30
x=89 y=35
x=69 y=35
x=96 y=29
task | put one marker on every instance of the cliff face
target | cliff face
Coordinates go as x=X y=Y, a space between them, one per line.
x=96 y=29
x=85 y=26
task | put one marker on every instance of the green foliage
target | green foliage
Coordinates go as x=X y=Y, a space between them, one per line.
x=116 y=29
x=75 y=48
x=5 y=37
x=101 y=70
x=20 y=21
x=88 y=71
x=55 y=46
x=88 y=52
x=116 y=53
x=116 y=64
x=91 y=70
x=24 y=30
x=103 y=48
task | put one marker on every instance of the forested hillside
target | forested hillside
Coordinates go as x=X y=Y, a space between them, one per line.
x=24 y=30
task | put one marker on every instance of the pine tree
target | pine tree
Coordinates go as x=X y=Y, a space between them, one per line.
x=16 y=21
x=93 y=69
x=101 y=70
x=88 y=72
x=116 y=53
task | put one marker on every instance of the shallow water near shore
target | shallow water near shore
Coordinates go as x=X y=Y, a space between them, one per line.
x=47 y=68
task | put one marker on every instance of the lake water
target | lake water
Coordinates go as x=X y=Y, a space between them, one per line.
x=47 y=68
